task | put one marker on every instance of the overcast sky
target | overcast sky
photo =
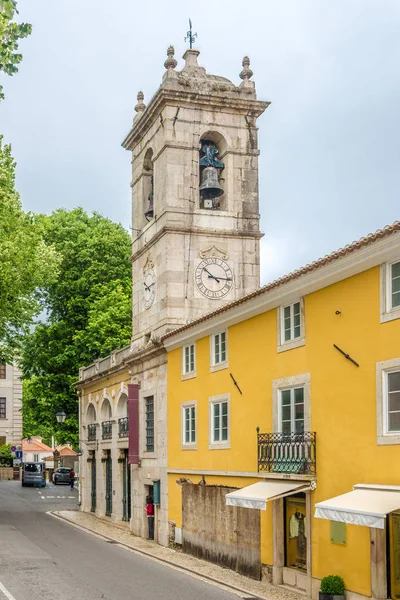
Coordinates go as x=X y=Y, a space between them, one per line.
x=329 y=164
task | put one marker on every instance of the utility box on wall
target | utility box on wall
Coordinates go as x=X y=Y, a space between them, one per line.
x=156 y=492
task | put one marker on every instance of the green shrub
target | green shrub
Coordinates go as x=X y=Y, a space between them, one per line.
x=332 y=584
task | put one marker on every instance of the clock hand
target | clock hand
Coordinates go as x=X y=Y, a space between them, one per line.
x=223 y=278
x=146 y=286
x=211 y=276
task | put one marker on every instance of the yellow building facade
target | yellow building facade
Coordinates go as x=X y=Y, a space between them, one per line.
x=296 y=389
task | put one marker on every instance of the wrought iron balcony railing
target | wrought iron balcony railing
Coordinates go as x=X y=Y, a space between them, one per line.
x=287 y=453
x=123 y=425
x=91 y=432
x=106 y=430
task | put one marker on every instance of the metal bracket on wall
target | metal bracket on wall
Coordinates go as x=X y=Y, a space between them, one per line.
x=236 y=383
x=346 y=355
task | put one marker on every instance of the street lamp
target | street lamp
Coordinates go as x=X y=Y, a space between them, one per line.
x=61 y=416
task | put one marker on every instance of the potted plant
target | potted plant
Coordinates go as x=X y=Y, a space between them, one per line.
x=332 y=588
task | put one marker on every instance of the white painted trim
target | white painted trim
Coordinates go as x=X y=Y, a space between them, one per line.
x=188 y=445
x=382 y=369
x=221 y=365
x=223 y=445
x=189 y=374
x=370 y=256
x=388 y=313
x=248 y=474
x=282 y=345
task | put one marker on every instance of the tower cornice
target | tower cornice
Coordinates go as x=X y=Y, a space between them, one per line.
x=180 y=98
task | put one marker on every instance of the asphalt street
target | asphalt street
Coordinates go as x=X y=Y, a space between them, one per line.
x=43 y=558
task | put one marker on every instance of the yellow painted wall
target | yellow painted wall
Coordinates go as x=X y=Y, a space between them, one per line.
x=343 y=409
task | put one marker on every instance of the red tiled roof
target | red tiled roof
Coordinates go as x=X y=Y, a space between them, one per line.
x=66 y=451
x=321 y=262
x=34 y=446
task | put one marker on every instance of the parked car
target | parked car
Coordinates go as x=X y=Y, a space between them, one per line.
x=33 y=473
x=62 y=475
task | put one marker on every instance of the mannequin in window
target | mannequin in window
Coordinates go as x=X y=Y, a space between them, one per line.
x=297 y=529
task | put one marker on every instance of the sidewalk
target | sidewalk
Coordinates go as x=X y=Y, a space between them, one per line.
x=196 y=566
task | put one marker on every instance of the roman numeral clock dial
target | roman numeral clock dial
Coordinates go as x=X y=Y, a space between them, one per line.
x=214 y=278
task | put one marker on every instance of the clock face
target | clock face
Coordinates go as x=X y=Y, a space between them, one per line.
x=214 y=278
x=148 y=288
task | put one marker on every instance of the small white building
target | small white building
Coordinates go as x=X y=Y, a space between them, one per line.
x=10 y=405
x=34 y=450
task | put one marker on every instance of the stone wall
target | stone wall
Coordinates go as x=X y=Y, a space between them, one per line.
x=226 y=535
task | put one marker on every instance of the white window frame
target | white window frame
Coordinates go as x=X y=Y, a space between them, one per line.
x=385 y=437
x=188 y=374
x=279 y=385
x=283 y=345
x=388 y=312
x=223 y=364
x=36 y=458
x=220 y=445
x=184 y=406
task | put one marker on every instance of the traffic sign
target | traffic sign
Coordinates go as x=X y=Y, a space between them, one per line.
x=13 y=448
x=16 y=461
x=18 y=454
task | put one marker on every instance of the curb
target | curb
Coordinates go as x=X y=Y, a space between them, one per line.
x=248 y=595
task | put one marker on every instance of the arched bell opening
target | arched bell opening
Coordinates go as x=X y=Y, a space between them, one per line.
x=148 y=186
x=211 y=171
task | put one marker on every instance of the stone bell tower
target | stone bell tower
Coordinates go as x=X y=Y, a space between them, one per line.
x=195 y=205
x=195 y=247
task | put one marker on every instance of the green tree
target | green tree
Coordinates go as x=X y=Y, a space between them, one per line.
x=6 y=459
x=88 y=314
x=26 y=263
x=10 y=34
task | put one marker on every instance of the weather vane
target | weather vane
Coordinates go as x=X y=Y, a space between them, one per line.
x=190 y=37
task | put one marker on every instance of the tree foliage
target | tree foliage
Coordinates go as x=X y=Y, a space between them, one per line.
x=6 y=459
x=26 y=262
x=10 y=34
x=88 y=314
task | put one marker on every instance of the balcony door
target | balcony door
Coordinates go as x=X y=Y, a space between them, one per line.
x=291 y=410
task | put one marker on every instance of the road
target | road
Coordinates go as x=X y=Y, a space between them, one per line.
x=43 y=558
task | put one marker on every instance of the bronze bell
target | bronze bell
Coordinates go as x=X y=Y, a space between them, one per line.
x=149 y=214
x=210 y=187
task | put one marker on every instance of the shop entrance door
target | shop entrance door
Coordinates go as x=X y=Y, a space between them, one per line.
x=108 y=484
x=295 y=532
x=126 y=488
x=394 y=566
x=93 y=493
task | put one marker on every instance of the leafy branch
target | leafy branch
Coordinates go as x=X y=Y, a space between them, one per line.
x=10 y=34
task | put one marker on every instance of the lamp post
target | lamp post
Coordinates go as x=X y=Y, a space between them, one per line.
x=60 y=416
x=56 y=456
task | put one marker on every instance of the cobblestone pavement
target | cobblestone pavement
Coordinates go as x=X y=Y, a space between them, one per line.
x=176 y=558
